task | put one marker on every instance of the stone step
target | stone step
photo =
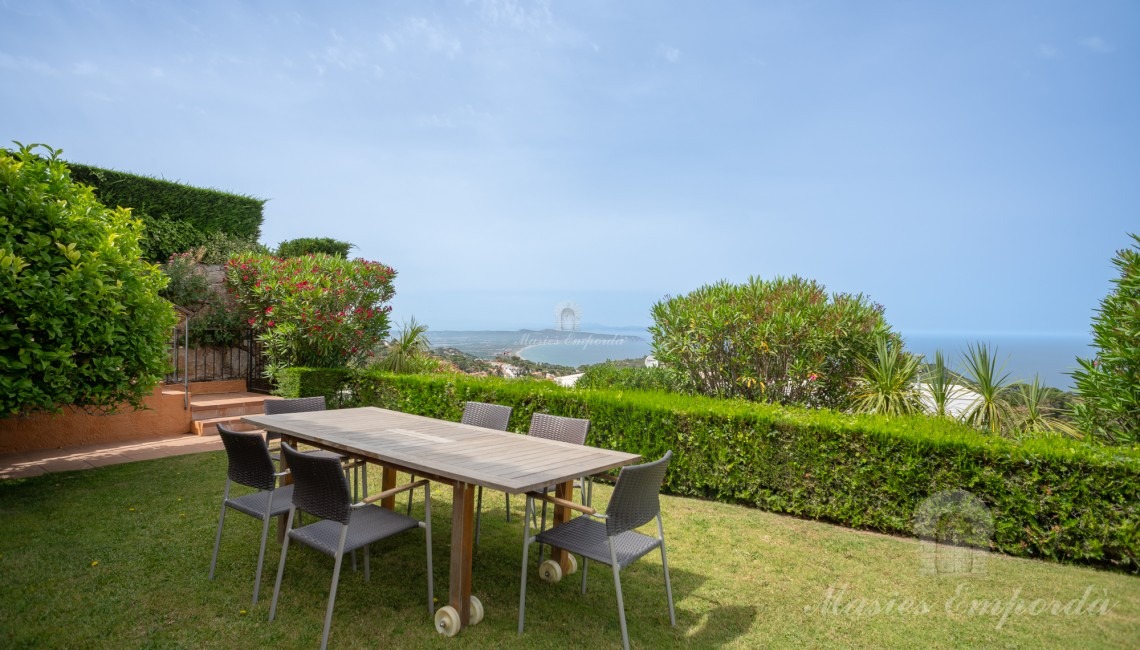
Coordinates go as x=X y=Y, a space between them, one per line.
x=209 y=426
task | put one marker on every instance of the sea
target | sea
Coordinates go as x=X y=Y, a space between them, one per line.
x=1022 y=356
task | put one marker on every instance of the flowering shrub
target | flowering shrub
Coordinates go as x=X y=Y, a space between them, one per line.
x=319 y=310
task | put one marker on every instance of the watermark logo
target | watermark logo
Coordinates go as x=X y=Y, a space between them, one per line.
x=567 y=317
x=955 y=530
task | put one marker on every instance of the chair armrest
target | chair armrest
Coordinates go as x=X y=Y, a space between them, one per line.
x=586 y=510
x=391 y=492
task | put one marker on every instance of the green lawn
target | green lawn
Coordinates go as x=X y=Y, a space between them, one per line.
x=118 y=557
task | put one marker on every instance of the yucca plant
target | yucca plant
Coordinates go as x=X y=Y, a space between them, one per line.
x=939 y=383
x=407 y=352
x=1037 y=417
x=889 y=383
x=990 y=410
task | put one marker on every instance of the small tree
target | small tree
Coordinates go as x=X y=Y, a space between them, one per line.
x=889 y=384
x=1109 y=385
x=784 y=340
x=990 y=410
x=310 y=245
x=81 y=320
x=320 y=310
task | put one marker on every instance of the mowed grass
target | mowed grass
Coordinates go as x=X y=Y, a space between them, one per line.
x=118 y=557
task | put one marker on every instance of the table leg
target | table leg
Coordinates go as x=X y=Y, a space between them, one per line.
x=462 y=547
x=283 y=520
x=561 y=516
x=388 y=481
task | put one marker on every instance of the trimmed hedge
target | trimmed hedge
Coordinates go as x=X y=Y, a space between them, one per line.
x=207 y=210
x=1050 y=498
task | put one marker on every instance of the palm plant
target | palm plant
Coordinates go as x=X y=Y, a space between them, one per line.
x=888 y=385
x=1037 y=417
x=990 y=409
x=407 y=351
x=940 y=385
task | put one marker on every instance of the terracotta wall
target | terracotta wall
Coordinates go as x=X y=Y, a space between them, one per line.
x=164 y=416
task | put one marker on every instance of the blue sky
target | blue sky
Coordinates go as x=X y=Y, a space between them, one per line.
x=972 y=166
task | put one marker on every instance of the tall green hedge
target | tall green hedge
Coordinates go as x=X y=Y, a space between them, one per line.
x=177 y=214
x=1050 y=498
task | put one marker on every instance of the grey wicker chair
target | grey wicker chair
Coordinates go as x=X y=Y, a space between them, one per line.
x=250 y=465
x=489 y=416
x=563 y=429
x=635 y=502
x=307 y=405
x=321 y=490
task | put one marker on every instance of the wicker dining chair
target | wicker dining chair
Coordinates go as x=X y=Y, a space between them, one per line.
x=562 y=429
x=608 y=538
x=250 y=465
x=321 y=490
x=307 y=405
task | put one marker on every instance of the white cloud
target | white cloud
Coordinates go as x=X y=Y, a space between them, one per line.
x=1097 y=44
x=671 y=54
x=26 y=63
x=84 y=68
x=422 y=32
x=1048 y=52
x=536 y=16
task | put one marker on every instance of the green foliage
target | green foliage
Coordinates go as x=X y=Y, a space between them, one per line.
x=309 y=245
x=166 y=237
x=784 y=340
x=609 y=375
x=1051 y=498
x=1109 y=385
x=188 y=286
x=991 y=410
x=1032 y=413
x=319 y=310
x=407 y=352
x=888 y=385
x=219 y=247
x=939 y=382
x=208 y=211
x=81 y=319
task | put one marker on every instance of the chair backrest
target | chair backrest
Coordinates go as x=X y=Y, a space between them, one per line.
x=294 y=405
x=490 y=416
x=636 y=496
x=319 y=485
x=249 y=459
x=556 y=427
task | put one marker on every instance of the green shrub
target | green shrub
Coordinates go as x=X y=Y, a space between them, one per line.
x=81 y=319
x=609 y=375
x=309 y=245
x=785 y=341
x=219 y=247
x=318 y=311
x=166 y=237
x=1109 y=386
x=1050 y=498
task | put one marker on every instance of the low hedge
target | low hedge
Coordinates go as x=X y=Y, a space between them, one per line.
x=1049 y=498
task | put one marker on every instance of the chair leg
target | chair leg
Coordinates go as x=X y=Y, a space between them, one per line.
x=427 y=534
x=218 y=537
x=367 y=573
x=281 y=564
x=332 y=590
x=526 y=548
x=261 y=551
x=542 y=547
x=508 y=507
x=585 y=568
x=617 y=587
x=665 y=567
x=411 y=493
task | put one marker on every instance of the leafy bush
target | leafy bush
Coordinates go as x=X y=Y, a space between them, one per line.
x=785 y=340
x=609 y=375
x=165 y=237
x=309 y=245
x=319 y=310
x=219 y=247
x=1109 y=386
x=188 y=286
x=1050 y=498
x=81 y=319
x=206 y=210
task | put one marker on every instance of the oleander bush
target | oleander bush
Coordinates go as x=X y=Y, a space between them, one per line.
x=1050 y=498
x=318 y=310
x=785 y=341
x=81 y=319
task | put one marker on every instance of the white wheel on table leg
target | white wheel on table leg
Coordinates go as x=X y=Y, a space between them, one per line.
x=476 y=610
x=447 y=621
x=573 y=565
x=550 y=571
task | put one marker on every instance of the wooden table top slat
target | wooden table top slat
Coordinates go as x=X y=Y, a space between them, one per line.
x=500 y=460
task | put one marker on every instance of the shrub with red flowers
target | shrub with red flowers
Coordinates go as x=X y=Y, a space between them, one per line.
x=319 y=311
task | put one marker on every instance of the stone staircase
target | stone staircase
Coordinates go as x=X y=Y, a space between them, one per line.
x=208 y=410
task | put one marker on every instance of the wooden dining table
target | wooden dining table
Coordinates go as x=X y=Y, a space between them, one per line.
x=460 y=455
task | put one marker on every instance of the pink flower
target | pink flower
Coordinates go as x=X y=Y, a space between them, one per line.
x=813 y=377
